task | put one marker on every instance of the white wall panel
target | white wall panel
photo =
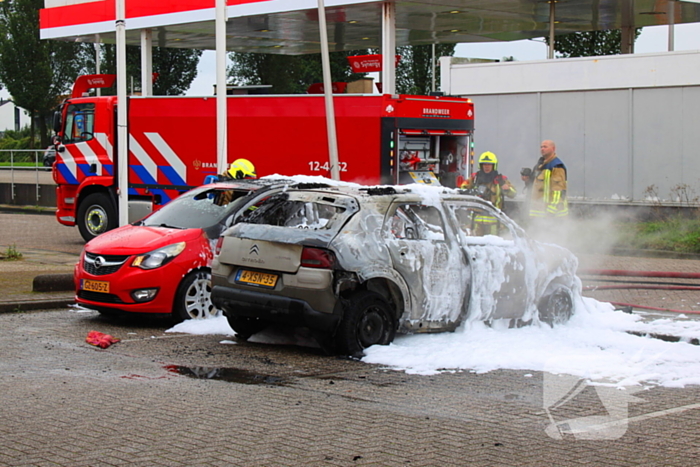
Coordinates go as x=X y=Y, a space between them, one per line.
x=615 y=142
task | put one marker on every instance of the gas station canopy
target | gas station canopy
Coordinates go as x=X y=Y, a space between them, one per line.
x=291 y=26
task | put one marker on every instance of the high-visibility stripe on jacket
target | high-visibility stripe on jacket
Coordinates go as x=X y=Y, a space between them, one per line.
x=549 y=191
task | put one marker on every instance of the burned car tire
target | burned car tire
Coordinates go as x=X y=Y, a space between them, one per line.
x=193 y=298
x=245 y=327
x=368 y=320
x=556 y=306
x=96 y=215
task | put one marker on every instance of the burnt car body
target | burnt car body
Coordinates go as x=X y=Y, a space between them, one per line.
x=356 y=265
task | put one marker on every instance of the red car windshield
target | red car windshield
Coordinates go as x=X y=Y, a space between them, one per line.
x=198 y=208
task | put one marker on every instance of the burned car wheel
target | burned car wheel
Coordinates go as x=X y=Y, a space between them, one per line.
x=368 y=320
x=245 y=327
x=193 y=298
x=556 y=306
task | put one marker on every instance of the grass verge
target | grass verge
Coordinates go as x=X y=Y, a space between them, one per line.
x=675 y=234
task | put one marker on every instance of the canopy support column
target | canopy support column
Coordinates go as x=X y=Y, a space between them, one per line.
x=221 y=114
x=388 y=48
x=328 y=93
x=552 y=11
x=627 y=35
x=671 y=24
x=122 y=105
x=146 y=62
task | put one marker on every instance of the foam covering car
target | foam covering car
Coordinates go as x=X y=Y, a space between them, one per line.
x=356 y=265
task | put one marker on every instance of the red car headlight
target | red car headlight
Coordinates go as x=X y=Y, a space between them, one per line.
x=157 y=258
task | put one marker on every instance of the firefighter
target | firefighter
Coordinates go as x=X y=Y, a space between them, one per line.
x=239 y=169
x=488 y=184
x=548 y=180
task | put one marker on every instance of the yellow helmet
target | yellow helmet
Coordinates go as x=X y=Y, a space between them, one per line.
x=242 y=168
x=488 y=158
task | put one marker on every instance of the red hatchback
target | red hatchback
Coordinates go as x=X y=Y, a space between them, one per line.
x=161 y=264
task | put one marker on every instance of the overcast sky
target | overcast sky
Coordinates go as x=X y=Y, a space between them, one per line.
x=653 y=39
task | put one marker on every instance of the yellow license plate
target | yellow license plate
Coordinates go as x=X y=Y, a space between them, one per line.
x=94 y=286
x=257 y=278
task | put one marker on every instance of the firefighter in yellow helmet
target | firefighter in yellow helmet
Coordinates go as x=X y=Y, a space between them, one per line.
x=488 y=184
x=241 y=168
x=238 y=170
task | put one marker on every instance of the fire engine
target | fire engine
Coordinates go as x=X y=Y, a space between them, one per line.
x=382 y=139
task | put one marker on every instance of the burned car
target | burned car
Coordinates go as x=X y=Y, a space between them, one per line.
x=356 y=265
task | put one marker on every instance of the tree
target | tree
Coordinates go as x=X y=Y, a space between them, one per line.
x=414 y=72
x=176 y=68
x=590 y=43
x=36 y=73
x=289 y=74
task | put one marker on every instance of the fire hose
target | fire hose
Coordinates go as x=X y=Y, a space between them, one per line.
x=652 y=286
x=622 y=272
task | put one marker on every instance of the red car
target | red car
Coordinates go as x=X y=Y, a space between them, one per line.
x=161 y=264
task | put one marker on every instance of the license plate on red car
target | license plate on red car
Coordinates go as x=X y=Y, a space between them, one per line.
x=94 y=286
x=256 y=278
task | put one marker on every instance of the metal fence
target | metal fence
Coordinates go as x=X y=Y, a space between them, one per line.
x=22 y=167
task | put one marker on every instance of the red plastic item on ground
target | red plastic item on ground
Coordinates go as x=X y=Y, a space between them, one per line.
x=100 y=339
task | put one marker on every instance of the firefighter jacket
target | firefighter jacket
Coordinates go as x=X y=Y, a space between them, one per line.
x=489 y=186
x=549 y=190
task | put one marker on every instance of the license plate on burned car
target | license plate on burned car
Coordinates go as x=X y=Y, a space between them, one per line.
x=260 y=279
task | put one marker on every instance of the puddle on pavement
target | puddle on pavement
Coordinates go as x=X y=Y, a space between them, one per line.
x=230 y=375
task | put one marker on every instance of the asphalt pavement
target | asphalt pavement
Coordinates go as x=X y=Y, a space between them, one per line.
x=159 y=398
x=42 y=278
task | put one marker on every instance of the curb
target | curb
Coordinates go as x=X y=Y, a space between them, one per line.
x=27 y=209
x=53 y=283
x=34 y=305
x=44 y=283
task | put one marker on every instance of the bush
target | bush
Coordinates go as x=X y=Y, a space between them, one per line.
x=16 y=140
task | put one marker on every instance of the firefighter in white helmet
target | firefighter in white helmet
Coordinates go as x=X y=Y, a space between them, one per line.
x=488 y=184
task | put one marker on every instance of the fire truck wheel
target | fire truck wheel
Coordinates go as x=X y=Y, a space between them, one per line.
x=96 y=215
x=193 y=298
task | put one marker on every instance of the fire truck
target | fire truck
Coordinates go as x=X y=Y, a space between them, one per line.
x=382 y=139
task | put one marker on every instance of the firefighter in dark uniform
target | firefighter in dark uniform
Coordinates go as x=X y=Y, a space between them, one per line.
x=488 y=184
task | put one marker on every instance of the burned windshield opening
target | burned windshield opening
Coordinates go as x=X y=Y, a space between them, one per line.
x=309 y=213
